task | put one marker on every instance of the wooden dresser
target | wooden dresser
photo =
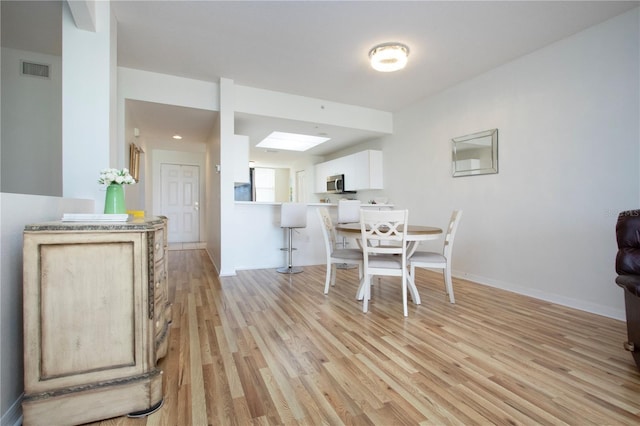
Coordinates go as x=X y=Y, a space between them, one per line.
x=96 y=319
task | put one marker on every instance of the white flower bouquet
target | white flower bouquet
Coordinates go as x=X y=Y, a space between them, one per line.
x=120 y=177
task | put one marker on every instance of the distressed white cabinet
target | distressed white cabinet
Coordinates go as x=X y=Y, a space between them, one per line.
x=96 y=319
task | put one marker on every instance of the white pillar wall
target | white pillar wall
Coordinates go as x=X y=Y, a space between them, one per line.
x=227 y=239
x=88 y=66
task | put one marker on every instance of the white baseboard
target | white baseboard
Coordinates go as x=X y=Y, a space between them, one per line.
x=582 y=305
x=13 y=416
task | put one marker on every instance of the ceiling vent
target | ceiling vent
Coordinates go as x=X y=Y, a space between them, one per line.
x=34 y=69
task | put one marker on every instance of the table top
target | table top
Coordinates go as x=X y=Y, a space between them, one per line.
x=415 y=230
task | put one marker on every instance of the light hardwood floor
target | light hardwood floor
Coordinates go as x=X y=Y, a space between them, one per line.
x=265 y=348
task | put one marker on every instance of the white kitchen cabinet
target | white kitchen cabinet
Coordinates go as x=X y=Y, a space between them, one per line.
x=362 y=171
x=365 y=171
x=96 y=319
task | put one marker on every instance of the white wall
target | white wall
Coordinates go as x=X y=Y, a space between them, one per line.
x=172 y=90
x=282 y=105
x=87 y=101
x=213 y=222
x=568 y=163
x=32 y=130
x=18 y=210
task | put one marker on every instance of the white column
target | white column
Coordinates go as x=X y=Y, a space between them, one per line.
x=88 y=83
x=227 y=206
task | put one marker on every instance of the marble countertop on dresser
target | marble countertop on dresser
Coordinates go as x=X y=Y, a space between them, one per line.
x=263 y=203
x=132 y=224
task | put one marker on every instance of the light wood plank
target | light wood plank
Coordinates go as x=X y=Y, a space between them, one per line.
x=262 y=348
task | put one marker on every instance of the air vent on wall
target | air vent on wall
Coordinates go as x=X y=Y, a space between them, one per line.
x=34 y=69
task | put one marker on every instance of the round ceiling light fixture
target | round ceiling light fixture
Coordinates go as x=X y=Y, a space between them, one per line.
x=388 y=57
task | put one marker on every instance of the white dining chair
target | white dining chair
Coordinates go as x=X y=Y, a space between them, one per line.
x=431 y=260
x=391 y=260
x=292 y=215
x=336 y=256
x=348 y=212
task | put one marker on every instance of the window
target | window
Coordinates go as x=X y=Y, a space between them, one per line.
x=265 y=184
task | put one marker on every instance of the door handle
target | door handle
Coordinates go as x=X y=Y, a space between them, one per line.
x=196 y=206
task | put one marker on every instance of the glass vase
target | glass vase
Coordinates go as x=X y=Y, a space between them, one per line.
x=114 y=201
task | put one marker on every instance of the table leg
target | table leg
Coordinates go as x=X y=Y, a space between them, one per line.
x=415 y=296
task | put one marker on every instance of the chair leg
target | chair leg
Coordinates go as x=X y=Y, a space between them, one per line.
x=327 y=280
x=449 y=284
x=404 y=295
x=367 y=294
x=333 y=274
x=411 y=282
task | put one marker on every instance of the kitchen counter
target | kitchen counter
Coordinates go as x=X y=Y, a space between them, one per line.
x=259 y=237
x=263 y=203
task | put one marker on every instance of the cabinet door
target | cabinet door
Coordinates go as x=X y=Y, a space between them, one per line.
x=320 y=170
x=339 y=166
x=82 y=298
x=358 y=171
x=367 y=170
x=362 y=170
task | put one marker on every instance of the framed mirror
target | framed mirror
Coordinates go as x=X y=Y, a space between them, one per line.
x=475 y=154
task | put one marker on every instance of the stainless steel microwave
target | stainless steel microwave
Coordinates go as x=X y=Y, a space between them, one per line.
x=335 y=184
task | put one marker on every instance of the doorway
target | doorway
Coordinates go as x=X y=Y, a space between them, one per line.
x=301 y=186
x=179 y=201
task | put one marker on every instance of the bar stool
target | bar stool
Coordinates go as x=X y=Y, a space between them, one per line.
x=292 y=215
x=348 y=212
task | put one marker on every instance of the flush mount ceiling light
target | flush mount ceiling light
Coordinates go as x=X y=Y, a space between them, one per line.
x=290 y=141
x=177 y=137
x=388 y=57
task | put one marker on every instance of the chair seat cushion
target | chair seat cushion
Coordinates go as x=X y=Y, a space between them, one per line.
x=629 y=282
x=427 y=257
x=388 y=261
x=353 y=254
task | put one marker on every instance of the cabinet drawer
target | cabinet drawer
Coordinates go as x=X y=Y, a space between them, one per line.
x=158 y=245
x=160 y=286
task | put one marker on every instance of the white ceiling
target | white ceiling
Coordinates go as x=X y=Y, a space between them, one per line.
x=319 y=49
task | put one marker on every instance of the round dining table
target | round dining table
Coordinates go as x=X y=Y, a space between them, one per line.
x=415 y=234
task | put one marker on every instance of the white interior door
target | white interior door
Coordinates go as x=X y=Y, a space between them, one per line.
x=179 y=201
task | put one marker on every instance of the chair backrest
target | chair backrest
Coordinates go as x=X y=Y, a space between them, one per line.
x=328 y=230
x=382 y=226
x=293 y=215
x=451 y=233
x=349 y=211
